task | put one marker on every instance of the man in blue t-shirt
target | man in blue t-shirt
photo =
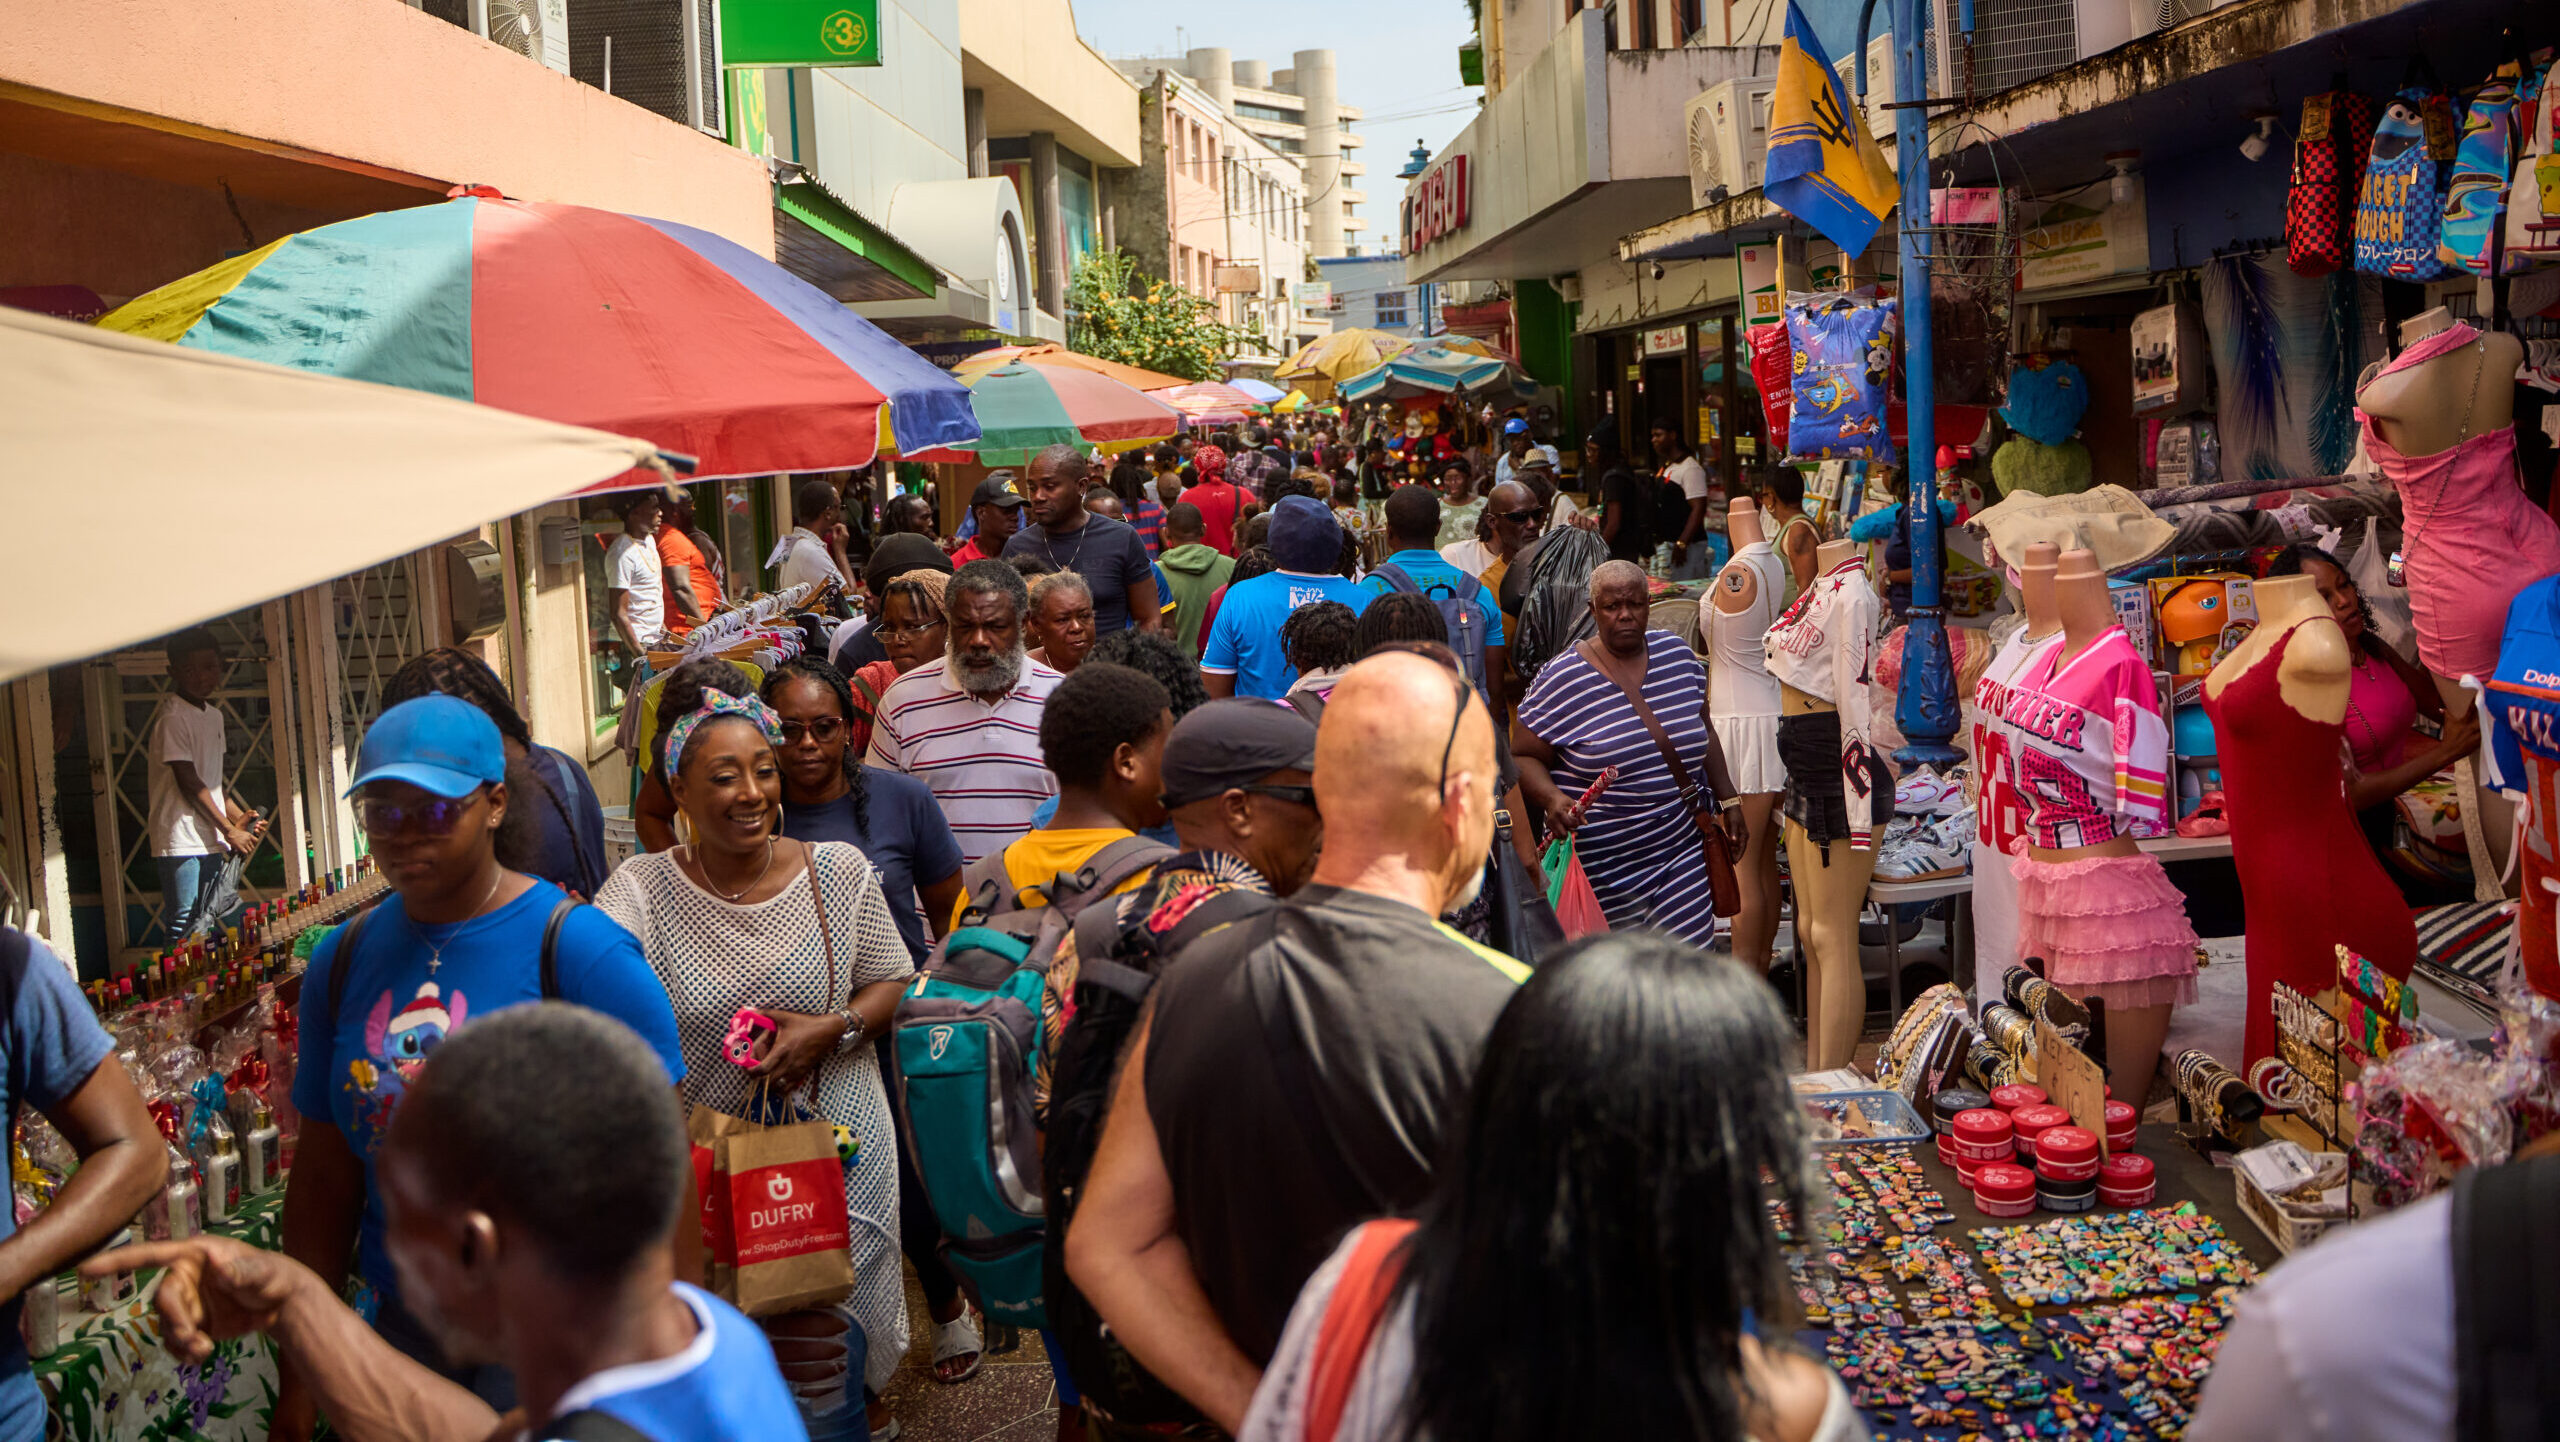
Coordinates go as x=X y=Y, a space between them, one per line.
x=55 y=1058
x=1413 y=524
x=534 y=1177
x=1243 y=656
x=461 y=938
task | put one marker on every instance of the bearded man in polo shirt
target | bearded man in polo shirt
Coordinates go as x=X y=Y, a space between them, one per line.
x=970 y=727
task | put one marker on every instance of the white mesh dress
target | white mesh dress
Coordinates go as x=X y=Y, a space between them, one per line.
x=715 y=956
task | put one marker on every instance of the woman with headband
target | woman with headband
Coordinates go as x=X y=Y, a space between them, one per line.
x=745 y=918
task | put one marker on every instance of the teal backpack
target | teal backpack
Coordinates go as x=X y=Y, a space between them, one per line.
x=968 y=1044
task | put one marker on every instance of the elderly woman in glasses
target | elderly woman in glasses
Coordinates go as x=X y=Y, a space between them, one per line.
x=746 y=918
x=913 y=631
x=460 y=937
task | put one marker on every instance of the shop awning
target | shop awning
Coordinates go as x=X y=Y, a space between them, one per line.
x=155 y=486
x=829 y=244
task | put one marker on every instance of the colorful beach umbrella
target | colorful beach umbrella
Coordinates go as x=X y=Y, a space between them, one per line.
x=1470 y=344
x=1058 y=355
x=641 y=327
x=1327 y=361
x=1262 y=391
x=1436 y=370
x=1210 y=403
x=1023 y=409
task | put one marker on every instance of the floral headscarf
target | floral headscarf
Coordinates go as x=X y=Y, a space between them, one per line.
x=716 y=704
x=1208 y=463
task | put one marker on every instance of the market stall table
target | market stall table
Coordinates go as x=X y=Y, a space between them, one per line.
x=111 y=1378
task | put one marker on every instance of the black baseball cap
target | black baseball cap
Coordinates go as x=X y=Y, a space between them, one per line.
x=996 y=490
x=1230 y=743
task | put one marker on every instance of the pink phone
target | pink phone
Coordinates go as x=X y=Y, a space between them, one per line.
x=744 y=1029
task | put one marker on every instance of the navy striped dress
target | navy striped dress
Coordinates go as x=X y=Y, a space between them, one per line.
x=1638 y=845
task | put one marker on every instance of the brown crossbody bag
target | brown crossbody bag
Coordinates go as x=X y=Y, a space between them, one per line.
x=1719 y=847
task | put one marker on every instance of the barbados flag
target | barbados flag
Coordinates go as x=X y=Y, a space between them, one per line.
x=1824 y=168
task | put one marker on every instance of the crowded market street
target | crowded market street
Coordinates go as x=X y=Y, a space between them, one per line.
x=872 y=719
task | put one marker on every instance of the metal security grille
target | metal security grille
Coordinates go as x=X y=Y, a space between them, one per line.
x=709 y=114
x=2014 y=41
x=647 y=51
x=125 y=692
x=379 y=625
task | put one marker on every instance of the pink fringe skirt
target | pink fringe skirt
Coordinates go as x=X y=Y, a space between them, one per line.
x=2112 y=927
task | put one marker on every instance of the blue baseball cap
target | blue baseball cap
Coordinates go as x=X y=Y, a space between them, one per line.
x=1515 y=427
x=442 y=744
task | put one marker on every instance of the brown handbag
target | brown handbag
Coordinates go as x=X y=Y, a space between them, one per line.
x=1721 y=878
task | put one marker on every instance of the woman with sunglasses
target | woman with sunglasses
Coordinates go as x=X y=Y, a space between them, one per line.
x=460 y=937
x=744 y=918
x=556 y=831
x=892 y=818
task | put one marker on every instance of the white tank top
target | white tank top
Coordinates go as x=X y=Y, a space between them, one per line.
x=1738 y=679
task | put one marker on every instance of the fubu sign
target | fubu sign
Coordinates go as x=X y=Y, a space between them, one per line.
x=1438 y=203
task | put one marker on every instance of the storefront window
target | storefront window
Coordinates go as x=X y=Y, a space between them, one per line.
x=608 y=664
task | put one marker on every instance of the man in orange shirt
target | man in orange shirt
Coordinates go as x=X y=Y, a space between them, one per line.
x=693 y=592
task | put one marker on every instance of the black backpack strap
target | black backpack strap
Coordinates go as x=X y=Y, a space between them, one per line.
x=551 y=947
x=1103 y=872
x=589 y=1426
x=2506 y=1302
x=346 y=959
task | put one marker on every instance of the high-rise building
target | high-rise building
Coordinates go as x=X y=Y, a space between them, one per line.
x=1297 y=112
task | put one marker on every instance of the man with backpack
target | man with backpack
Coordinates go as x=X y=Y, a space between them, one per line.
x=1470 y=609
x=1238 y=780
x=969 y=1032
x=1293 y=1075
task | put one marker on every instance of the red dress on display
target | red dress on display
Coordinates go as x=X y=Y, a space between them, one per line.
x=2310 y=882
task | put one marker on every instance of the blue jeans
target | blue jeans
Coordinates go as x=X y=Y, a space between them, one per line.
x=182 y=878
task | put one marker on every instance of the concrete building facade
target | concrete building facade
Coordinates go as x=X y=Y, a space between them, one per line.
x=1297 y=112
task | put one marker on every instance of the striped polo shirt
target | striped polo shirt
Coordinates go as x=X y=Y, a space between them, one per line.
x=983 y=762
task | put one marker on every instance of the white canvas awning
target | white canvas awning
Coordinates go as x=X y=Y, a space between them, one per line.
x=151 y=487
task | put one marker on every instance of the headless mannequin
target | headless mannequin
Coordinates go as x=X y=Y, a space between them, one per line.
x=2134 y=1034
x=1995 y=910
x=2421 y=410
x=1755 y=928
x=2035 y=588
x=2313 y=676
x=1829 y=894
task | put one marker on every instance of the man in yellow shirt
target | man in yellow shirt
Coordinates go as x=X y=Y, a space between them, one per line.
x=1102 y=735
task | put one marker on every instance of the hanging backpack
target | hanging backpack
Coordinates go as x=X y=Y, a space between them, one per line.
x=1117 y=965
x=2328 y=167
x=2400 y=209
x=967 y=1041
x=2475 y=198
x=2533 y=197
x=1467 y=628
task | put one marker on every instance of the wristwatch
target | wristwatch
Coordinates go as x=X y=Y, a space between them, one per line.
x=854 y=1026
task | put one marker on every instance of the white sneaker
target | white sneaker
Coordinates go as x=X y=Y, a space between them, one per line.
x=1941 y=849
x=1927 y=793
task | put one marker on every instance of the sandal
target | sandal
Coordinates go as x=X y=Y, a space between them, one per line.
x=957 y=1338
x=889 y=1433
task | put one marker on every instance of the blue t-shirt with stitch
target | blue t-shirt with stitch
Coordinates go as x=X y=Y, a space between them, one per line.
x=52 y=1046
x=404 y=996
x=1437 y=577
x=1244 y=642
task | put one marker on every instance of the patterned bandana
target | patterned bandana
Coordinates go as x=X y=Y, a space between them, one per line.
x=1208 y=463
x=715 y=704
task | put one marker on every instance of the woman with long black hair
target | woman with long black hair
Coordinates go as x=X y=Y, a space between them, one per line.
x=1595 y=1259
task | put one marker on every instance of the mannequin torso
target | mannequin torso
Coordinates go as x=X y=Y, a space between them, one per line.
x=2313 y=674
x=2438 y=404
x=2081 y=605
x=1738 y=589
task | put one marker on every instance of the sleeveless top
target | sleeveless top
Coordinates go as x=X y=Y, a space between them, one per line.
x=1738 y=679
x=1778 y=543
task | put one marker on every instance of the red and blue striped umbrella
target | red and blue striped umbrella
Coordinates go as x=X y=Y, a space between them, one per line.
x=640 y=327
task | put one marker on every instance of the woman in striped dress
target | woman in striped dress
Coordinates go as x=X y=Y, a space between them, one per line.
x=1637 y=843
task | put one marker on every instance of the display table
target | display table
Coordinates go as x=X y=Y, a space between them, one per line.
x=111 y=1378
x=1898 y=1323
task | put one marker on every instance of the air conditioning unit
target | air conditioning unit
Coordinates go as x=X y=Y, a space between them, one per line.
x=1880 y=85
x=1728 y=138
x=535 y=29
x=661 y=55
x=2015 y=41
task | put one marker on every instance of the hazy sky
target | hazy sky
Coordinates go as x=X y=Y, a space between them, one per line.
x=1396 y=59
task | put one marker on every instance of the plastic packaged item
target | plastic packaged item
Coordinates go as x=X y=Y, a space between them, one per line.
x=2066 y=1154
x=2066 y=1201
x=105 y=1294
x=2017 y=1094
x=222 y=1179
x=40 y=1317
x=262 y=1155
x=2003 y=1190
x=176 y=1212
x=2123 y=1122
x=1984 y=1134
x=1841 y=367
x=1946 y=1105
x=2127 y=1179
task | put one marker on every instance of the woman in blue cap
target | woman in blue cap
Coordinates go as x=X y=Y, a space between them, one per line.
x=460 y=937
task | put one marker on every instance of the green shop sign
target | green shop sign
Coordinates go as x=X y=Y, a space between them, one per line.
x=800 y=32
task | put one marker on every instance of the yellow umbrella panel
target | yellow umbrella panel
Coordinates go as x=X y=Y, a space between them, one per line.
x=1329 y=360
x=216 y=483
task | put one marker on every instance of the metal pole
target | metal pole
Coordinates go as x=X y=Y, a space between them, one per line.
x=1926 y=709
